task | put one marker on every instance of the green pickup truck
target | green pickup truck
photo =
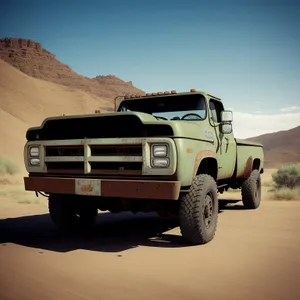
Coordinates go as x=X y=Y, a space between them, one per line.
x=165 y=152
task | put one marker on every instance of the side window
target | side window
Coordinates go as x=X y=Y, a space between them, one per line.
x=215 y=108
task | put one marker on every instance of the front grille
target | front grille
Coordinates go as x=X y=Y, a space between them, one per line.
x=100 y=161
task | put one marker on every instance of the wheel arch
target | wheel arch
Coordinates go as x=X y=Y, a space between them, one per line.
x=206 y=163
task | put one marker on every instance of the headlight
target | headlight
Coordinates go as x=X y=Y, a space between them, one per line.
x=160 y=162
x=34 y=151
x=160 y=156
x=159 y=150
x=34 y=162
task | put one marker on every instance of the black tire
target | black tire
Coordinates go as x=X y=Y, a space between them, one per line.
x=198 y=212
x=251 y=190
x=69 y=213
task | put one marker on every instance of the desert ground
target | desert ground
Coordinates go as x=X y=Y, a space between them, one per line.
x=254 y=255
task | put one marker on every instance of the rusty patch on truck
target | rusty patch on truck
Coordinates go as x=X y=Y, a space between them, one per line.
x=201 y=155
x=48 y=185
x=142 y=189
x=248 y=168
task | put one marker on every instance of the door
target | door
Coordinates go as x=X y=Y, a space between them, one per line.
x=224 y=143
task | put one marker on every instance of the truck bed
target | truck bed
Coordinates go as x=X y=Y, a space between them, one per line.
x=249 y=154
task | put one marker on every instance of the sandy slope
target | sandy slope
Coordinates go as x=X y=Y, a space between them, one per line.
x=26 y=101
x=255 y=255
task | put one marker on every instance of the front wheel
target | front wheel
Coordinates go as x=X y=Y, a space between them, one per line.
x=70 y=213
x=198 y=212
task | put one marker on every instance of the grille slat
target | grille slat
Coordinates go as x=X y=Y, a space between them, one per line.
x=128 y=150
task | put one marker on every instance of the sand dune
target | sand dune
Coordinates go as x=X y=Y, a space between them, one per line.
x=25 y=101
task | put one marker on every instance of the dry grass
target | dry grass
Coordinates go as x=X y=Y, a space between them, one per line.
x=17 y=194
x=234 y=190
x=9 y=171
x=286 y=193
x=8 y=166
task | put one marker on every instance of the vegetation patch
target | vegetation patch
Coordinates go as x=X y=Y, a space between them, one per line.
x=8 y=166
x=286 y=183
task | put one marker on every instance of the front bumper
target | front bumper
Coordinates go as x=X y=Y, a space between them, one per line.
x=138 y=189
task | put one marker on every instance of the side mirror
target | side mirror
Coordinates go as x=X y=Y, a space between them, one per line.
x=226 y=128
x=226 y=116
x=226 y=121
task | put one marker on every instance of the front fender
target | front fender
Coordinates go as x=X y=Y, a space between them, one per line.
x=190 y=153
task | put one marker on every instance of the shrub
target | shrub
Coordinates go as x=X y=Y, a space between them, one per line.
x=8 y=166
x=287 y=176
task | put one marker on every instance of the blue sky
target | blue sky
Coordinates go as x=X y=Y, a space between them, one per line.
x=246 y=52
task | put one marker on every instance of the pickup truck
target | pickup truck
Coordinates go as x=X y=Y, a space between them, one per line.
x=165 y=152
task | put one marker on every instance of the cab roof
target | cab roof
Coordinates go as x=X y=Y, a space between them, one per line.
x=171 y=93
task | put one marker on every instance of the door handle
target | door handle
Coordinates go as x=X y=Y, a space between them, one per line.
x=227 y=143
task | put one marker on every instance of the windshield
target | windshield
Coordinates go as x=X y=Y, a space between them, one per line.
x=169 y=107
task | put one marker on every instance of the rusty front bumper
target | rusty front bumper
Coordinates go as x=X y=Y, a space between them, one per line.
x=138 y=189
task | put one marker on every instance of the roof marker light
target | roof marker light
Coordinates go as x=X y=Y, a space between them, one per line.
x=192 y=90
x=173 y=92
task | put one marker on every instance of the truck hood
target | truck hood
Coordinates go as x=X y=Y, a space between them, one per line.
x=114 y=125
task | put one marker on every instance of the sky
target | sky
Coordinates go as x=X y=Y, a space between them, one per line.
x=245 y=52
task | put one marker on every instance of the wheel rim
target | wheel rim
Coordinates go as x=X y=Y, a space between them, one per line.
x=208 y=210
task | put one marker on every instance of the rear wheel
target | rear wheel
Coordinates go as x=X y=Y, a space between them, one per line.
x=251 y=191
x=70 y=213
x=198 y=212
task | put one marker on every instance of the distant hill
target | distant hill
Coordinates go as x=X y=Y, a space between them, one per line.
x=281 y=147
x=29 y=57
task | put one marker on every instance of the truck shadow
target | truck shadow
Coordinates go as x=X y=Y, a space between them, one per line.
x=112 y=233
